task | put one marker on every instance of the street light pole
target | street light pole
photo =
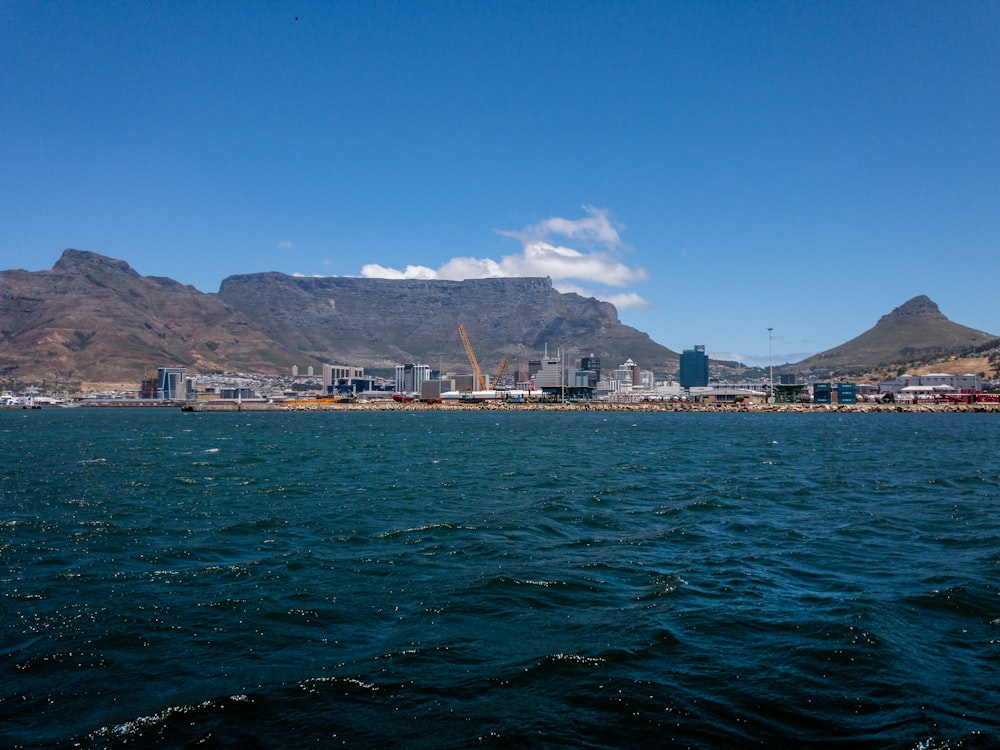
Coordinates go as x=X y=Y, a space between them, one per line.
x=770 y=361
x=562 y=372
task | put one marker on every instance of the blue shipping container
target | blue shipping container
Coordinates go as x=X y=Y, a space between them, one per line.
x=846 y=393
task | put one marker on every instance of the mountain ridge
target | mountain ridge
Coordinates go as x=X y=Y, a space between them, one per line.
x=94 y=318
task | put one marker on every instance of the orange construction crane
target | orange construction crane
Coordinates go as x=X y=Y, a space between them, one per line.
x=500 y=371
x=477 y=374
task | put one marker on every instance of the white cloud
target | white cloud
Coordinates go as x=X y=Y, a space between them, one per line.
x=596 y=227
x=544 y=254
x=735 y=357
x=285 y=245
x=621 y=300
x=375 y=271
x=761 y=360
x=627 y=301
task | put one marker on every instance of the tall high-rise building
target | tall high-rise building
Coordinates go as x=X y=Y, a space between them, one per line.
x=591 y=363
x=694 y=367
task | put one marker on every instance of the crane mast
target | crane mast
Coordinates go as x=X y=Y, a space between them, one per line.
x=476 y=372
x=500 y=371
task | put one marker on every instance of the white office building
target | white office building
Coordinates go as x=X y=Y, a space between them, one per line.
x=409 y=377
x=333 y=373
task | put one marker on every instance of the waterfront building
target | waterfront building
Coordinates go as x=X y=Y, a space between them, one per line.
x=430 y=389
x=237 y=393
x=549 y=373
x=465 y=382
x=626 y=379
x=607 y=385
x=789 y=392
x=931 y=382
x=669 y=389
x=726 y=394
x=694 y=367
x=593 y=365
x=630 y=372
x=409 y=377
x=171 y=383
x=147 y=388
x=624 y=374
x=354 y=386
x=332 y=374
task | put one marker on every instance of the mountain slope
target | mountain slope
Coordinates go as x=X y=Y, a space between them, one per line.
x=94 y=318
x=915 y=330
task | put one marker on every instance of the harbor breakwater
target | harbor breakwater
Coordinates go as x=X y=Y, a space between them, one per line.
x=591 y=406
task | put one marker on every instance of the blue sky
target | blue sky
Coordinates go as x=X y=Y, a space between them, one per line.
x=713 y=168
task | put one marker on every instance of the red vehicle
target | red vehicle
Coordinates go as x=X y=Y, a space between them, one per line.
x=967 y=396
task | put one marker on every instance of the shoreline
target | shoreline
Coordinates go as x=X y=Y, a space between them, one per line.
x=596 y=406
x=300 y=406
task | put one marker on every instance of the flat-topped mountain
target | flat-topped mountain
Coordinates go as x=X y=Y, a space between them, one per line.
x=915 y=330
x=384 y=322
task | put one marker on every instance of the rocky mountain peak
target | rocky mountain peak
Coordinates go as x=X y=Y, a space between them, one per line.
x=918 y=309
x=83 y=261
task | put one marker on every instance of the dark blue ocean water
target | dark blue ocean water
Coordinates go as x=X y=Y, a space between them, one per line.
x=458 y=579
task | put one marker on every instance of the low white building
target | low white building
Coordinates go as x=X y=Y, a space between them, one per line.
x=930 y=383
x=726 y=393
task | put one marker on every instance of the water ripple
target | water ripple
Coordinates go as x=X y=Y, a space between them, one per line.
x=531 y=579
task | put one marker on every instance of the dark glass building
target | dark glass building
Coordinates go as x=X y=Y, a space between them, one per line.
x=592 y=365
x=694 y=367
